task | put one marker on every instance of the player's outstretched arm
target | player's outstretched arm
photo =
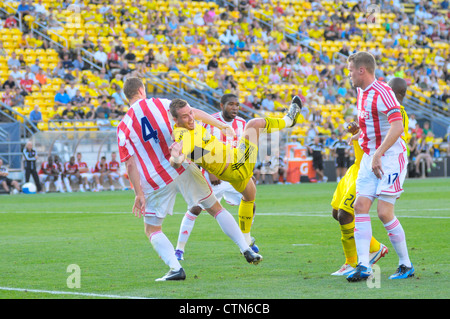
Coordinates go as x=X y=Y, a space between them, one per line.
x=133 y=175
x=204 y=117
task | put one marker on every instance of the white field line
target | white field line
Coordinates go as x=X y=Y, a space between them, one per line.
x=53 y=292
x=299 y=214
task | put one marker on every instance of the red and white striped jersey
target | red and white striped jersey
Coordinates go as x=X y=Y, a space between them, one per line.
x=83 y=167
x=46 y=168
x=70 y=168
x=146 y=132
x=377 y=108
x=114 y=166
x=100 y=167
x=238 y=124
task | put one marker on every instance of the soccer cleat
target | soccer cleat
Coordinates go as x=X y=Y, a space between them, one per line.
x=252 y=257
x=253 y=246
x=173 y=275
x=375 y=256
x=295 y=110
x=179 y=254
x=345 y=270
x=360 y=273
x=403 y=272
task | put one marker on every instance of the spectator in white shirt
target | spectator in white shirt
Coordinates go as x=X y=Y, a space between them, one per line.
x=101 y=56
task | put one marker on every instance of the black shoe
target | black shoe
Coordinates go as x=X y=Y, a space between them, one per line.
x=252 y=257
x=173 y=275
x=360 y=273
x=294 y=110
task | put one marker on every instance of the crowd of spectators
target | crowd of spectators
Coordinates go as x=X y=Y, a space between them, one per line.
x=130 y=29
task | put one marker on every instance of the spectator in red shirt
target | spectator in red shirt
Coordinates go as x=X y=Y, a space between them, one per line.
x=26 y=84
x=418 y=130
x=10 y=22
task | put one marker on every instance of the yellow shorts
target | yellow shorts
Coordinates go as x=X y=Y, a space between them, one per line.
x=240 y=171
x=345 y=193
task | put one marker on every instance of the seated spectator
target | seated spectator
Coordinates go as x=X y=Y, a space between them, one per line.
x=13 y=61
x=18 y=98
x=26 y=84
x=41 y=77
x=6 y=182
x=69 y=113
x=213 y=64
x=101 y=57
x=67 y=63
x=103 y=111
x=10 y=82
x=91 y=114
x=62 y=98
x=7 y=96
x=161 y=57
x=35 y=67
x=268 y=103
x=11 y=22
x=35 y=115
x=77 y=100
x=425 y=151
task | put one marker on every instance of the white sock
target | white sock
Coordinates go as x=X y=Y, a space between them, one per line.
x=59 y=186
x=397 y=237
x=187 y=224
x=248 y=238
x=287 y=120
x=165 y=250
x=231 y=228
x=67 y=183
x=363 y=235
x=122 y=184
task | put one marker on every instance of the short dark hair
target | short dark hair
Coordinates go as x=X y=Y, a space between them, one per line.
x=175 y=105
x=227 y=97
x=364 y=59
x=131 y=87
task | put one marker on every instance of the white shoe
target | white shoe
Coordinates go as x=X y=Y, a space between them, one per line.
x=374 y=257
x=344 y=270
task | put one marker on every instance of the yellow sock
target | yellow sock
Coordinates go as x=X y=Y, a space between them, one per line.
x=374 y=245
x=246 y=216
x=274 y=124
x=348 y=244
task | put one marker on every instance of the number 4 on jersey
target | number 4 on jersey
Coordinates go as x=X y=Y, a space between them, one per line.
x=148 y=132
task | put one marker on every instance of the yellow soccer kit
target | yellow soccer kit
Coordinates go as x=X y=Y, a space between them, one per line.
x=207 y=151
x=345 y=193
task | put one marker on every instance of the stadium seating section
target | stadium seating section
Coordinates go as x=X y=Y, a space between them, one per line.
x=90 y=22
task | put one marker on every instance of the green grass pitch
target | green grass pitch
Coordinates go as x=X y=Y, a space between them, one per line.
x=41 y=235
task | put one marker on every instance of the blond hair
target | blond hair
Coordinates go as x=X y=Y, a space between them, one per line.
x=363 y=59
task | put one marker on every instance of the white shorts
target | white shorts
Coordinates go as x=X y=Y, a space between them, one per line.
x=391 y=183
x=72 y=178
x=226 y=191
x=51 y=178
x=114 y=175
x=193 y=187
x=88 y=176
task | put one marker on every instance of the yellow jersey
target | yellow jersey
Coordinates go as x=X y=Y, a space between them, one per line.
x=405 y=124
x=203 y=149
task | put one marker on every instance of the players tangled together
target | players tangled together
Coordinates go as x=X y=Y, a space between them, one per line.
x=165 y=144
x=75 y=174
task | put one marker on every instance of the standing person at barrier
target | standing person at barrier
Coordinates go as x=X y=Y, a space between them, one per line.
x=29 y=163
